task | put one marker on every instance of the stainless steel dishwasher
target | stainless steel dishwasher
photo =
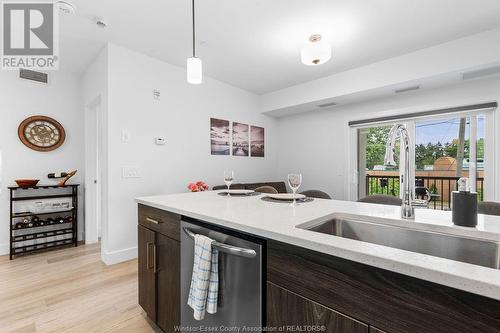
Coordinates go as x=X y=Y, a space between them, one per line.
x=240 y=279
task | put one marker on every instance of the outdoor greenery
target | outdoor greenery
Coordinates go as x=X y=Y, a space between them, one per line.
x=376 y=138
x=387 y=185
x=425 y=154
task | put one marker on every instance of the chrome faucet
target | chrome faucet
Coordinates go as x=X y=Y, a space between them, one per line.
x=407 y=210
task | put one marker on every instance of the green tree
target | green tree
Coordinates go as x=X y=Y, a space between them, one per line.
x=425 y=154
x=376 y=139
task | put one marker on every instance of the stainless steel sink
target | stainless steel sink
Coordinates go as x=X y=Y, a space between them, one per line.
x=470 y=250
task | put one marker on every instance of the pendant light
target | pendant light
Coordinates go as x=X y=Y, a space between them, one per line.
x=194 y=66
x=315 y=51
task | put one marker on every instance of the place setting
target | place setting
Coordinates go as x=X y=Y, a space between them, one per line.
x=294 y=181
x=228 y=180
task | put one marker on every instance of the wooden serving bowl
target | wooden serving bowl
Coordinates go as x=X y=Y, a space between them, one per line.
x=27 y=182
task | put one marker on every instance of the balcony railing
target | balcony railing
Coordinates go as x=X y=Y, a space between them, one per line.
x=439 y=187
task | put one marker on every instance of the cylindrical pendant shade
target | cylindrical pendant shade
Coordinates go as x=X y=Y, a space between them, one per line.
x=194 y=70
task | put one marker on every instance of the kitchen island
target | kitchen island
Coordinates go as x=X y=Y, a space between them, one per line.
x=358 y=285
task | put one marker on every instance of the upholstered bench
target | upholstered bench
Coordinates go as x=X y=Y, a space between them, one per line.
x=279 y=186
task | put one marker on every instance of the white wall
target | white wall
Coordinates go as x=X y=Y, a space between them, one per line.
x=317 y=143
x=182 y=117
x=19 y=99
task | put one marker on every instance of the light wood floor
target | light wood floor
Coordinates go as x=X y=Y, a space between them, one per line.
x=69 y=290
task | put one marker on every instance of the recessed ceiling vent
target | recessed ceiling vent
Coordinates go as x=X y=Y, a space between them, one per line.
x=100 y=22
x=327 y=105
x=481 y=73
x=34 y=76
x=406 y=89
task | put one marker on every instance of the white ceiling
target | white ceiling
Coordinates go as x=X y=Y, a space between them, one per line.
x=254 y=44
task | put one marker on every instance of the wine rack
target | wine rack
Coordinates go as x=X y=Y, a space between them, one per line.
x=32 y=231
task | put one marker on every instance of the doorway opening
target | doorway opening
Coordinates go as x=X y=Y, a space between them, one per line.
x=93 y=174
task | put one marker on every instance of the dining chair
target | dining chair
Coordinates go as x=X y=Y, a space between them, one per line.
x=382 y=199
x=266 y=189
x=232 y=187
x=488 y=208
x=316 y=194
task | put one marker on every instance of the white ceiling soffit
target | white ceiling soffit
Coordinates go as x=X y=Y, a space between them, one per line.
x=442 y=63
x=434 y=83
x=255 y=44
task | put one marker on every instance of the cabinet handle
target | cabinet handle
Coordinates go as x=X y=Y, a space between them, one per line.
x=153 y=221
x=155 y=268
x=148 y=260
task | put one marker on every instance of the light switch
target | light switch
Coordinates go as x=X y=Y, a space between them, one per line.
x=131 y=172
x=125 y=136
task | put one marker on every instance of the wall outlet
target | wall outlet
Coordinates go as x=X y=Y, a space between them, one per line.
x=131 y=172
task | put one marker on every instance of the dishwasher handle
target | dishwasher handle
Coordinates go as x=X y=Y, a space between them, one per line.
x=229 y=249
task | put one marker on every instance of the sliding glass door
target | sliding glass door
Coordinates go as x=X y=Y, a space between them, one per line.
x=374 y=176
x=444 y=149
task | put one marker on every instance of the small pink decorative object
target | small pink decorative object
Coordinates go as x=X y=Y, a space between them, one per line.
x=197 y=187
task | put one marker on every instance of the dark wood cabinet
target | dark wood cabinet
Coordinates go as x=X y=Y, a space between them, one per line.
x=147 y=279
x=386 y=301
x=159 y=267
x=168 y=282
x=287 y=309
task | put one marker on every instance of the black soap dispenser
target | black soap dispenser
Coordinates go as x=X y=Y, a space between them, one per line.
x=464 y=205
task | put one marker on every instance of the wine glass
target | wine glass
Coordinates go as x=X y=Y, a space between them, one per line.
x=294 y=181
x=228 y=179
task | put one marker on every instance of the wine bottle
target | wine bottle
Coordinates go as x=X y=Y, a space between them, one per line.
x=57 y=175
x=35 y=219
x=50 y=221
x=69 y=219
x=59 y=220
x=20 y=225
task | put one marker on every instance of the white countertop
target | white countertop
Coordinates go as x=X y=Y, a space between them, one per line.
x=278 y=221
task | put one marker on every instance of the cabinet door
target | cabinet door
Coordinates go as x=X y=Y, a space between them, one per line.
x=285 y=308
x=168 y=283
x=147 y=282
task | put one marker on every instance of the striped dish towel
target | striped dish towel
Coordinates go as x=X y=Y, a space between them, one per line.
x=205 y=280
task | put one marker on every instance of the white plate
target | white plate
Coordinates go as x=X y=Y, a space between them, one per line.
x=241 y=192
x=286 y=196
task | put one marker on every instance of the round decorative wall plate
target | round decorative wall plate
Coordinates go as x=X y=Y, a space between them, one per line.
x=41 y=133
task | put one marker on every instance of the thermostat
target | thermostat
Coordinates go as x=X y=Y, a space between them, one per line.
x=160 y=141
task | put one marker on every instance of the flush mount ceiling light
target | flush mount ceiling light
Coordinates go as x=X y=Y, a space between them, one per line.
x=194 y=65
x=66 y=7
x=315 y=51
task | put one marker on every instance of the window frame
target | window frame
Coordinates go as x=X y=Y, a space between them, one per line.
x=490 y=187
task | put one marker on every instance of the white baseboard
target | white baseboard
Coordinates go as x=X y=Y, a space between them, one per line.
x=4 y=248
x=115 y=257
